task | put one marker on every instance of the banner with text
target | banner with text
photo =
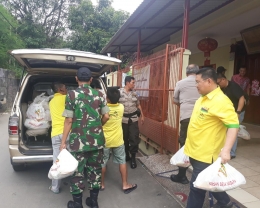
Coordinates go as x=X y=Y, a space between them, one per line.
x=142 y=80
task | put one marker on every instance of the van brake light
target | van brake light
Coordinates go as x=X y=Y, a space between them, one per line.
x=13 y=125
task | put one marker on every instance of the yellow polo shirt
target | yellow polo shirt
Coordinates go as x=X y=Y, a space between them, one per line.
x=113 y=127
x=211 y=116
x=57 y=106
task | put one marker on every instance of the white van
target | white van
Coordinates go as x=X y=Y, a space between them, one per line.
x=41 y=68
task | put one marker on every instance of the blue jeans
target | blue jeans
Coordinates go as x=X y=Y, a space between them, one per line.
x=234 y=148
x=197 y=196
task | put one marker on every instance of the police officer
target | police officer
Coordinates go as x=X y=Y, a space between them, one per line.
x=82 y=111
x=132 y=110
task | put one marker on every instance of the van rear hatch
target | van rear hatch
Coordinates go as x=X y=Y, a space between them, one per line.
x=62 y=61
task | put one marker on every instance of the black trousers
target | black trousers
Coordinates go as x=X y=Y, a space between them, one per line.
x=183 y=131
x=131 y=137
x=182 y=138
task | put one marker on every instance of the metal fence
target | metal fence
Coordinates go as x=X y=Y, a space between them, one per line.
x=160 y=71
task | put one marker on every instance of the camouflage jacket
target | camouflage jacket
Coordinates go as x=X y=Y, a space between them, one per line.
x=85 y=105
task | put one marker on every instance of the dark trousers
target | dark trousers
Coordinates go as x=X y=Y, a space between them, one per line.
x=197 y=196
x=131 y=137
x=183 y=131
x=182 y=138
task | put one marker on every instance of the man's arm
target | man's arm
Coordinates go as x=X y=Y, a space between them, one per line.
x=66 y=131
x=104 y=118
x=178 y=104
x=230 y=139
x=241 y=103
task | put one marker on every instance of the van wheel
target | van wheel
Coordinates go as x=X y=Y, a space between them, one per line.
x=19 y=167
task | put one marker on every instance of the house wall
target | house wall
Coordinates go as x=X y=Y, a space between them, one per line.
x=220 y=57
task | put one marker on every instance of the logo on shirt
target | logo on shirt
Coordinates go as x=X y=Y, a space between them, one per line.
x=204 y=109
x=113 y=114
x=202 y=112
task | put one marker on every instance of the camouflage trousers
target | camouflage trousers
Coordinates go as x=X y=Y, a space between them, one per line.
x=92 y=161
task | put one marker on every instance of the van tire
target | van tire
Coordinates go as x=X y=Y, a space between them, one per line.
x=18 y=168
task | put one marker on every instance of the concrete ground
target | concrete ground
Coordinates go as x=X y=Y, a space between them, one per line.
x=29 y=188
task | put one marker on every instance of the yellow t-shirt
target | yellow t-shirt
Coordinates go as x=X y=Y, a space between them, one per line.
x=211 y=116
x=57 y=106
x=113 y=127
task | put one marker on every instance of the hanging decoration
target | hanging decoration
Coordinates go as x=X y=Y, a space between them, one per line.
x=207 y=45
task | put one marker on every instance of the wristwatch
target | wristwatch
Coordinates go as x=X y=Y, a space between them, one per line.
x=238 y=112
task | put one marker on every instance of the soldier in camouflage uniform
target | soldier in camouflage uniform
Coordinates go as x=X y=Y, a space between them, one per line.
x=85 y=113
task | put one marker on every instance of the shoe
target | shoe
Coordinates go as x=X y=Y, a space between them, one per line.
x=76 y=203
x=129 y=190
x=92 y=200
x=233 y=157
x=127 y=158
x=229 y=205
x=177 y=179
x=133 y=164
x=55 y=192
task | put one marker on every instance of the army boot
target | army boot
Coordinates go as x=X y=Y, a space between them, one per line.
x=92 y=200
x=77 y=201
x=133 y=161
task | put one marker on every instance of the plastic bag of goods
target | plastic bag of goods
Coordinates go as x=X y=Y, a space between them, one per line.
x=219 y=177
x=180 y=159
x=64 y=166
x=44 y=100
x=35 y=111
x=243 y=133
x=47 y=116
x=34 y=124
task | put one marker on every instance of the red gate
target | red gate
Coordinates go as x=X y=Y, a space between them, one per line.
x=161 y=71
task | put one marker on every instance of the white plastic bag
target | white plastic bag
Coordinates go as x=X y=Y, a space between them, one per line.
x=219 y=177
x=36 y=132
x=34 y=124
x=35 y=111
x=64 y=166
x=180 y=159
x=47 y=116
x=39 y=108
x=243 y=133
x=43 y=100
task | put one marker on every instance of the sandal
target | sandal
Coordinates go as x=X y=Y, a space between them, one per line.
x=129 y=190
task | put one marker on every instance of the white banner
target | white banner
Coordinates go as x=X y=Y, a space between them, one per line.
x=142 y=80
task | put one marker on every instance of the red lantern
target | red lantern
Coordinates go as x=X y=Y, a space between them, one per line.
x=206 y=45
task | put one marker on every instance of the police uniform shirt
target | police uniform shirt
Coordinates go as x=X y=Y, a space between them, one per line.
x=130 y=102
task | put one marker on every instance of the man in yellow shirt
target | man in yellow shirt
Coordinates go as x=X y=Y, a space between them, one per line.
x=212 y=132
x=114 y=139
x=57 y=106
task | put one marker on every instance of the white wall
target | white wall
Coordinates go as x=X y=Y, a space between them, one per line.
x=220 y=57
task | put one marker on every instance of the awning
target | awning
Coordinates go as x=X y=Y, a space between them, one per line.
x=158 y=20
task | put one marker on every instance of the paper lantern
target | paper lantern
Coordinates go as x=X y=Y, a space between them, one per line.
x=206 y=45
